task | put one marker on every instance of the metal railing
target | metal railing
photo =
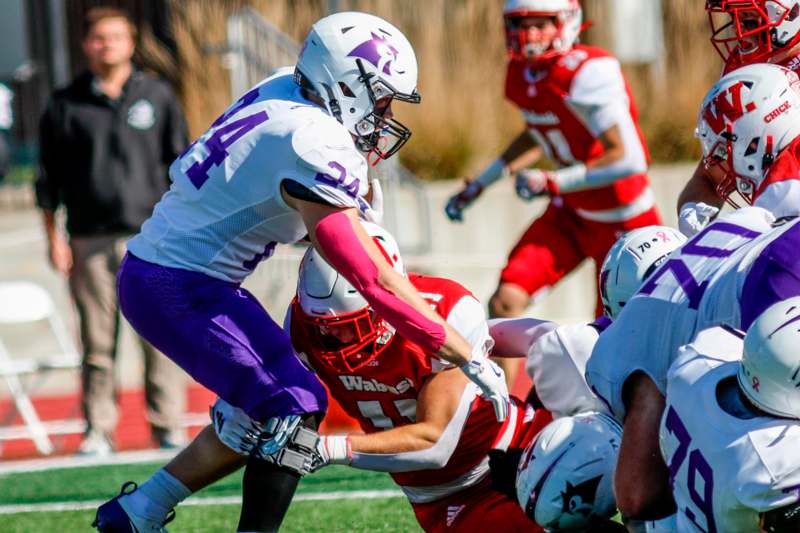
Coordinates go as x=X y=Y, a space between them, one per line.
x=255 y=49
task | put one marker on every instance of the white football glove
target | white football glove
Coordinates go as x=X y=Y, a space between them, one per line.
x=331 y=450
x=695 y=216
x=458 y=202
x=491 y=380
x=234 y=427
x=532 y=183
x=374 y=213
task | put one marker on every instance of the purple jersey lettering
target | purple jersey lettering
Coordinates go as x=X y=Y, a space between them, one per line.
x=340 y=180
x=693 y=285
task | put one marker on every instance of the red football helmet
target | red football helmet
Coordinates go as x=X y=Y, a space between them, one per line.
x=753 y=31
x=524 y=43
x=337 y=322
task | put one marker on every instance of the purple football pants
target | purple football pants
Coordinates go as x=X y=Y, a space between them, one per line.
x=220 y=334
x=774 y=276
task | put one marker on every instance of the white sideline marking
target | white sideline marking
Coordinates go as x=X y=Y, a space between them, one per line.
x=221 y=500
x=73 y=461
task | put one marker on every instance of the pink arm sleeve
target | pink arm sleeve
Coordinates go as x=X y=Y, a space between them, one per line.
x=345 y=252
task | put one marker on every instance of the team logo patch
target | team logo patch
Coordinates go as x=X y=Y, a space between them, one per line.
x=580 y=498
x=141 y=115
x=379 y=52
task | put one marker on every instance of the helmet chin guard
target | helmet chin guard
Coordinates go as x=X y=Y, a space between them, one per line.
x=346 y=342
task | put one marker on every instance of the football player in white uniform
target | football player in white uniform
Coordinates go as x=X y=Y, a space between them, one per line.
x=727 y=274
x=730 y=433
x=286 y=160
x=556 y=355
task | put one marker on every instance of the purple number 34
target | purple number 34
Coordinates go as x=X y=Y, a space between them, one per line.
x=224 y=135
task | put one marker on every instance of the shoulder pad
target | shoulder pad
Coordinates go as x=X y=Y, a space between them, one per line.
x=329 y=164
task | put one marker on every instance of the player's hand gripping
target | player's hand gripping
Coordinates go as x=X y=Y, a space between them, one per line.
x=532 y=183
x=331 y=450
x=491 y=380
x=458 y=202
x=695 y=216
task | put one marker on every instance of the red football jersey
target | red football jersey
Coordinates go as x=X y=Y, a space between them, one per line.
x=779 y=192
x=383 y=394
x=555 y=102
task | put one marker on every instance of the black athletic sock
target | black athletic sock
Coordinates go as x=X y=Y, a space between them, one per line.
x=267 y=491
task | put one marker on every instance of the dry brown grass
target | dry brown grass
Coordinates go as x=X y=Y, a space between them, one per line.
x=463 y=120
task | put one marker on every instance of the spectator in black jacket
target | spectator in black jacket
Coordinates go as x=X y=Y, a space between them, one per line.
x=107 y=141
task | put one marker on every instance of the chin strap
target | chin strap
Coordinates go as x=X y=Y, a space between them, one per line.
x=333 y=105
x=769 y=158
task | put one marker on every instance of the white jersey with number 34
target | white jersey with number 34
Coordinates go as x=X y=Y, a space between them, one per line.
x=224 y=212
x=724 y=469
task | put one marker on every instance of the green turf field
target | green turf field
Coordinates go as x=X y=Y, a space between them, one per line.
x=77 y=486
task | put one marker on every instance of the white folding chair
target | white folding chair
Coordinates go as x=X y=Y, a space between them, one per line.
x=23 y=302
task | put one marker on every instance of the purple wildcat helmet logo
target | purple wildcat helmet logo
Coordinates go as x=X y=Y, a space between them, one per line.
x=377 y=51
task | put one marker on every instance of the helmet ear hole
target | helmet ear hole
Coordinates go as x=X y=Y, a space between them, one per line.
x=346 y=90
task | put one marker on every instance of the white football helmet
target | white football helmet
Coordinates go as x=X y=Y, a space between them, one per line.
x=769 y=373
x=753 y=31
x=332 y=313
x=357 y=64
x=568 y=16
x=631 y=260
x=746 y=119
x=565 y=476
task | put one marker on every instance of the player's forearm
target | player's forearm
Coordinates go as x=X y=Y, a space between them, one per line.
x=50 y=226
x=410 y=438
x=455 y=349
x=350 y=251
x=699 y=188
x=623 y=156
x=523 y=152
x=427 y=444
x=513 y=337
